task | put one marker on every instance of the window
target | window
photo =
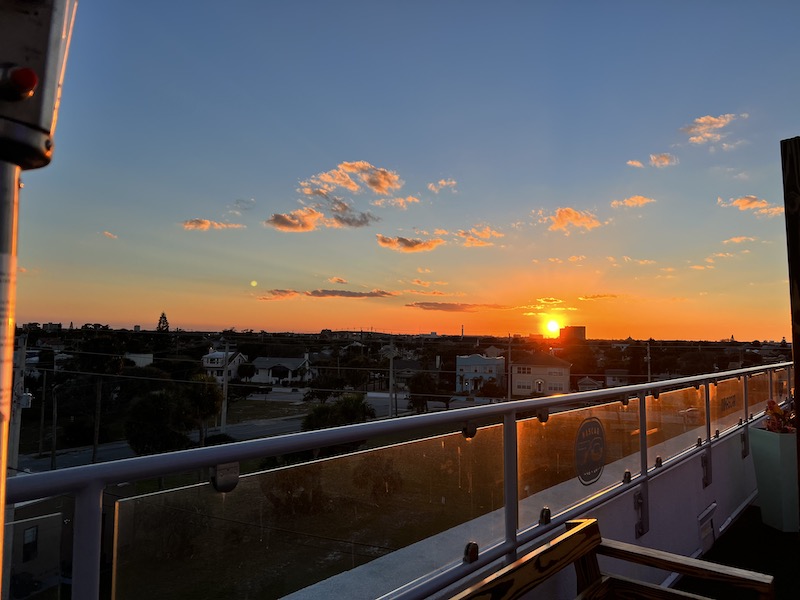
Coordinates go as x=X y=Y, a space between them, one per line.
x=555 y=387
x=523 y=370
x=555 y=372
x=30 y=543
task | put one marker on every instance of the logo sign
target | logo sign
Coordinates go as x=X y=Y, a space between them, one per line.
x=590 y=451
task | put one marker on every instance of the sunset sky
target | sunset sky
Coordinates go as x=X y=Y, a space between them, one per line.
x=419 y=166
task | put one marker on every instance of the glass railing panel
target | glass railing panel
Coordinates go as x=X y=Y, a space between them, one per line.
x=37 y=553
x=574 y=455
x=675 y=421
x=757 y=392
x=780 y=385
x=290 y=527
x=726 y=400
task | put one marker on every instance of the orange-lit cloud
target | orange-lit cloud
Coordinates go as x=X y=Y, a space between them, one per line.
x=707 y=129
x=663 y=160
x=479 y=237
x=550 y=300
x=577 y=258
x=555 y=260
x=351 y=176
x=593 y=297
x=441 y=184
x=337 y=280
x=564 y=218
x=739 y=239
x=421 y=283
x=278 y=295
x=456 y=306
x=440 y=232
x=110 y=235
x=635 y=163
x=758 y=205
x=401 y=244
x=427 y=292
x=349 y=294
x=302 y=219
x=401 y=203
x=205 y=225
x=423 y=270
x=631 y=202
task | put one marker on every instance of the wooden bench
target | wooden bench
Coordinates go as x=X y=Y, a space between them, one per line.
x=581 y=545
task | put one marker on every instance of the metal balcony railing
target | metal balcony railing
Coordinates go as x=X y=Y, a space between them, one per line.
x=498 y=475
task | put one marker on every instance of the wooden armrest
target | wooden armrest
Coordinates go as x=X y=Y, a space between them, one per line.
x=758 y=582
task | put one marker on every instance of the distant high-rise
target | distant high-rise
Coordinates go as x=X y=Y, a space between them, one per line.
x=573 y=333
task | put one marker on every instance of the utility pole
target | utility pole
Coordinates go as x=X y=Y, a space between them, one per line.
x=224 y=421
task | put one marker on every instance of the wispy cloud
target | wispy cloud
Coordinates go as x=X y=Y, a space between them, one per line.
x=110 y=235
x=550 y=300
x=421 y=283
x=708 y=129
x=663 y=160
x=635 y=163
x=595 y=297
x=456 y=306
x=758 y=205
x=479 y=237
x=402 y=244
x=337 y=280
x=401 y=203
x=577 y=258
x=271 y=295
x=423 y=270
x=631 y=202
x=205 y=225
x=441 y=184
x=566 y=217
x=739 y=239
x=241 y=205
x=349 y=294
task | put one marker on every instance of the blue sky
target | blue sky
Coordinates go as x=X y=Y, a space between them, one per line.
x=419 y=166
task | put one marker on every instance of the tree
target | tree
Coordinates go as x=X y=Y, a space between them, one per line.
x=324 y=387
x=201 y=401
x=154 y=425
x=422 y=389
x=350 y=408
x=163 y=324
x=246 y=371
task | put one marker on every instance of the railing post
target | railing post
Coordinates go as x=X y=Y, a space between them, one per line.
x=510 y=481
x=641 y=497
x=707 y=401
x=87 y=538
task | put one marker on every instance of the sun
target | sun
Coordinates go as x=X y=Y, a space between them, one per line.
x=553 y=326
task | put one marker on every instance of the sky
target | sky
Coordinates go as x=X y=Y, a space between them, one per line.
x=419 y=166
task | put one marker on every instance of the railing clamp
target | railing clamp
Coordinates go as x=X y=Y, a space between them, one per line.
x=705 y=463
x=470 y=552
x=225 y=477
x=544 y=516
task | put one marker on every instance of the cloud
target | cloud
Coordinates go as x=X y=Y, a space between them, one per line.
x=555 y=260
x=758 y=205
x=421 y=283
x=239 y=206
x=401 y=244
x=401 y=203
x=550 y=301
x=349 y=294
x=631 y=202
x=442 y=183
x=663 y=160
x=110 y=235
x=455 y=306
x=479 y=237
x=707 y=129
x=351 y=176
x=427 y=292
x=569 y=217
x=302 y=219
x=423 y=270
x=205 y=225
x=278 y=295
x=739 y=239
x=577 y=258
x=593 y=297
x=336 y=280
x=345 y=216
x=635 y=163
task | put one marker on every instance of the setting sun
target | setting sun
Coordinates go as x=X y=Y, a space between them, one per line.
x=553 y=326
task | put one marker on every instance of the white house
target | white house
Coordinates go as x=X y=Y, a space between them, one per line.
x=214 y=364
x=474 y=370
x=541 y=375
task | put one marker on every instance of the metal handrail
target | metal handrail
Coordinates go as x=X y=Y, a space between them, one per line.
x=88 y=482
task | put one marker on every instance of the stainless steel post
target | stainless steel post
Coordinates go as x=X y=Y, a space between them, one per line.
x=9 y=214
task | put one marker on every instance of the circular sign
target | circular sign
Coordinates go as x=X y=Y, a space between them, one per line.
x=590 y=451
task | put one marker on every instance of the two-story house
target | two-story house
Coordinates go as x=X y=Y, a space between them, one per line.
x=540 y=375
x=282 y=371
x=215 y=364
x=474 y=370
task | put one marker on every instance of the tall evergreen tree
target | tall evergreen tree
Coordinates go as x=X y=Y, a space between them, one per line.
x=163 y=324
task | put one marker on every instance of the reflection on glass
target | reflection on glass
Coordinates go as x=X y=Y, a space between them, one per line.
x=575 y=455
x=284 y=529
x=37 y=544
x=727 y=403
x=675 y=420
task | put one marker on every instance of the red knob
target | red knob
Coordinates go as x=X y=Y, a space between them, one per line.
x=23 y=80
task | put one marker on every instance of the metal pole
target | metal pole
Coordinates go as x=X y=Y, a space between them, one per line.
x=9 y=215
x=790 y=162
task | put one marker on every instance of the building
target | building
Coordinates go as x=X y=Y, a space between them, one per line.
x=474 y=370
x=573 y=333
x=214 y=364
x=282 y=371
x=541 y=375
x=616 y=377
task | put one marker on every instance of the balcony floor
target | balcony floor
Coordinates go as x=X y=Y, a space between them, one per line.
x=749 y=544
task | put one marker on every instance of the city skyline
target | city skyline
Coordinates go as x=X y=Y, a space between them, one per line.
x=419 y=167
